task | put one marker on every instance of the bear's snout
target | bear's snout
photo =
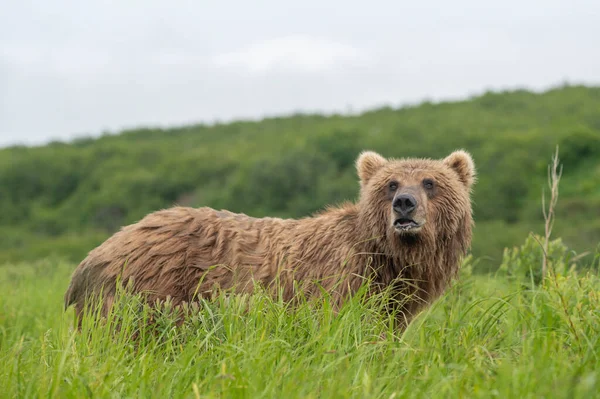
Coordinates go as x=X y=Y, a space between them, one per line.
x=407 y=212
x=405 y=204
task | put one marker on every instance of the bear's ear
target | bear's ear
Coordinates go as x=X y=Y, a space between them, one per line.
x=367 y=164
x=462 y=163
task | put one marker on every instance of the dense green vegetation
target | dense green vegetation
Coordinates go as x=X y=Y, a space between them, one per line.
x=510 y=336
x=512 y=333
x=64 y=198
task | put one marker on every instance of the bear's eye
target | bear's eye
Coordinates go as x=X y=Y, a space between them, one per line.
x=393 y=186
x=428 y=184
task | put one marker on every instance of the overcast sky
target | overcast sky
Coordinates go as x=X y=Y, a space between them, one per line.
x=71 y=68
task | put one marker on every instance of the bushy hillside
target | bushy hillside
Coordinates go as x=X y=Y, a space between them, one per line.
x=64 y=198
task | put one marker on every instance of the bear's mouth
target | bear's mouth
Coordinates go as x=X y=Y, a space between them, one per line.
x=405 y=224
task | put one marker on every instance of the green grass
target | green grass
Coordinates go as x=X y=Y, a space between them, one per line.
x=489 y=336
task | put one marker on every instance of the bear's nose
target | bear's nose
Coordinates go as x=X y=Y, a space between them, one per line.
x=405 y=204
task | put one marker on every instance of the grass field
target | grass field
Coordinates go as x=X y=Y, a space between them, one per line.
x=508 y=335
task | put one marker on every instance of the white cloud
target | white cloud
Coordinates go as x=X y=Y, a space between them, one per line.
x=85 y=67
x=295 y=53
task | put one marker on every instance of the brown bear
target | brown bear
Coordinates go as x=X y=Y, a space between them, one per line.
x=409 y=227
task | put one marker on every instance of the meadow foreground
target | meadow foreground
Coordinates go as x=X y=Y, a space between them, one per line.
x=508 y=335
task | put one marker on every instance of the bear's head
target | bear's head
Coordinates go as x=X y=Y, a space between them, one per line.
x=403 y=200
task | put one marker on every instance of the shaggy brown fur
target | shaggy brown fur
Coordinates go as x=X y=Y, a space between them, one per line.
x=184 y=253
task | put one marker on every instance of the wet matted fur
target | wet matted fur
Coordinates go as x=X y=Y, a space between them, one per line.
x=184 y=253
